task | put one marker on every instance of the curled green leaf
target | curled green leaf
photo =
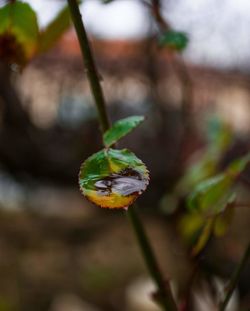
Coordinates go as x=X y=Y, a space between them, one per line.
x=120 y=129
x=113 y=178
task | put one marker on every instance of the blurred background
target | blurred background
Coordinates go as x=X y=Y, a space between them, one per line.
x=58 y=252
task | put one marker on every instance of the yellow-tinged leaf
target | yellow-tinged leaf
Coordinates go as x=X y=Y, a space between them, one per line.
x=113 y=178
x=115 y=200
x=18 y=32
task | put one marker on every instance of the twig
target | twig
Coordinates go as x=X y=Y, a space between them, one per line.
x=180 y=69
x=164 y=292
x=89 y=64
x=166 y=300
x=235 y=279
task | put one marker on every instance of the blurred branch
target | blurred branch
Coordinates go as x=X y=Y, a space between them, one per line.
x=179 y=68
x=235 y=279
x=156 y=11
x=186 y=105
x=164 y=294
x=89 y=64
x=30 y=151
x=13 y=112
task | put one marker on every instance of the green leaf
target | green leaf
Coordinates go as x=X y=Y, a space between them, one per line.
x=204 y=163
x=190 y=226
x=223 y=221
x=197 y=172
x=55 y=30
x=214 y=194
x=18 y=32
x=219 y=136
x=238 y=166
x=211 y=195
x=204 y=237
x=120 y=129
x=175 y=40
x=113 y=178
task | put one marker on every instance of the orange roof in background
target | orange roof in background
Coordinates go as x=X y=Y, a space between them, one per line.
x=132 y=55
x=111 y=49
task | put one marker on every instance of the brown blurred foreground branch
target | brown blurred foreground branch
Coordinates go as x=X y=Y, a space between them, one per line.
x=180 y=69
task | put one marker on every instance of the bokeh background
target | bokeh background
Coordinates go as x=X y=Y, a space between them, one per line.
x=58 y=252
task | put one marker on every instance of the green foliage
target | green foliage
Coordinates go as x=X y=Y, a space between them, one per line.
x=113 y=178
x=18 y=32
x=214 y=194
x=204 y=164
x=211 y=195
x=54 y=30
x=238 y=166
x=19 y=19
x=20 y=38
x=197 y=172
x=120 y=129
x=190 y=226
x=219 y=136
x=204 y=236
x=210 y=206
x=223 y=221
x=174 y=40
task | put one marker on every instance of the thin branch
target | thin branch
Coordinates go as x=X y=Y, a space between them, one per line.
x=156 y=12
x=164 y=293
x=89 y=64
x=179 y=67
x=241 y=205
x=235 y=279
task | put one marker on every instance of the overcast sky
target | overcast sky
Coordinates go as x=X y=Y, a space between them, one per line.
x=219 y=30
